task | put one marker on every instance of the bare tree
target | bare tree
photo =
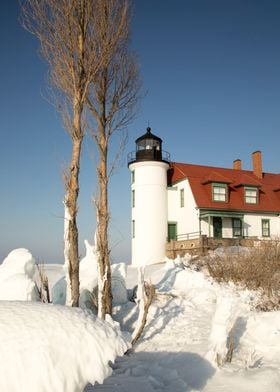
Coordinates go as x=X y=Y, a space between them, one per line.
x=65 y=29
x=112 y=102
x=145 y=296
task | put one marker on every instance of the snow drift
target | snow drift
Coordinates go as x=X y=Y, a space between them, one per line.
x=89 y=280
x=54 y=348
x=17 y=276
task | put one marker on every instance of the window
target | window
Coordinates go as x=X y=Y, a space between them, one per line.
x=133 y=229
x=251 y=195
x=219 y=192
x=133 y=198
x=265 y=228
x=133 y=177
x=182 y=198
x=236 y=227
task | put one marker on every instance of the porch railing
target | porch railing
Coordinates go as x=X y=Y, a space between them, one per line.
x=188 y=236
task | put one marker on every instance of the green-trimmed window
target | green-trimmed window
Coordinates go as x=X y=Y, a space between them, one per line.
x=182 y=197
x=133 y=229
x=251 y=195
x=265 y=228
x=236 y=227
x=132 y=177
x=133 y=198
x=219 y=192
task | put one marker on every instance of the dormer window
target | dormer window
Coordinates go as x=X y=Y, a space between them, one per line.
x=219 y=192
x=251 y=195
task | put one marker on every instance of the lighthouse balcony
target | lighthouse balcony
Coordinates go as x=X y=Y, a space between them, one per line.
x=147 y=154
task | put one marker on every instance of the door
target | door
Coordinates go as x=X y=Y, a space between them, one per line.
x=172 y=231
x=217 y=227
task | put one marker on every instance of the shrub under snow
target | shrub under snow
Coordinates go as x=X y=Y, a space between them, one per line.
x=54 y=348
x=16 y=276
x=89 y=282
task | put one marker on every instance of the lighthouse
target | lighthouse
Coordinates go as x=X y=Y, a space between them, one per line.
x=148 y=165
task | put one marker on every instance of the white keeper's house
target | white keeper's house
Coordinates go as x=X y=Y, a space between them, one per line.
x=174 y=201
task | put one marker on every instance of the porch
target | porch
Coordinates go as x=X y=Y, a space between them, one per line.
x=197 y=244
x=222 y=224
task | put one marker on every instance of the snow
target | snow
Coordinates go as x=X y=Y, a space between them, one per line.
x=89 y=281
x=16 y=276
x=189 y=324
x=222 y=324
x=119 y=290
x=192 y=325
x=54 y=348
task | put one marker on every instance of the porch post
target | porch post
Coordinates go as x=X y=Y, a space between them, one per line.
x=242 y=226
x=209 y=231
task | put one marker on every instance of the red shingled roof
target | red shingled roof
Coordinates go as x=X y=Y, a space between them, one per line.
x=201 y=177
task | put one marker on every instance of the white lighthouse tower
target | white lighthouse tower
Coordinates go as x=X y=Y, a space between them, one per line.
x=148 y=165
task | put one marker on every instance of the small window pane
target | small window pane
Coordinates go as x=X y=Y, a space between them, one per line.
x=219 y=193
x=133 y=198
x=133 y=229
x=236 y=227
x=182 y=197
x=265 y=228
x=133 y=177
x=251 y=196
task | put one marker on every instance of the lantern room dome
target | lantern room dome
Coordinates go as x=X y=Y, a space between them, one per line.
x=148 y=148
x=148 y=136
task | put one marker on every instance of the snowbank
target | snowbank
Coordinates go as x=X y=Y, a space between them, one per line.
x=17 y=276
x=54 y=348
x=119 y=291
x=89 y=281
x=88 y=277
x=179 y=279
x=222 y=324
x=260 y=340
x=19 y=261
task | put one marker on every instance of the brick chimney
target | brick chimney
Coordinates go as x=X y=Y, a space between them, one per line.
x=237 y=164
x=257 y=164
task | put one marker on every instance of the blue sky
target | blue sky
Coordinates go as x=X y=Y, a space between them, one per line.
x=211 y=70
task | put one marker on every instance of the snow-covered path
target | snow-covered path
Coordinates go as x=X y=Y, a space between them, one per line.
x=172 y=353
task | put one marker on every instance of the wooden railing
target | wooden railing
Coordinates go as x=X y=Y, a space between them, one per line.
x=188 y=236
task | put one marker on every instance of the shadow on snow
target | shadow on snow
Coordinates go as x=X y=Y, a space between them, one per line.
x=157 y=371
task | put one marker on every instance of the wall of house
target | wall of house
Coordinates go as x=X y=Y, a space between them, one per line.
x=253 y=225
x=205 y=229
x=186 y=217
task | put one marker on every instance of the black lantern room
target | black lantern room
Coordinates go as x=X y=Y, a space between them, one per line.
x=148 y=148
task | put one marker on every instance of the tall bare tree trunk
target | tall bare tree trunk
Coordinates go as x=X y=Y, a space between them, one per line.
x=102 y=230
x=71 y=203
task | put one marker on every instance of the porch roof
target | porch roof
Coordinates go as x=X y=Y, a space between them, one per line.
x=223 y=214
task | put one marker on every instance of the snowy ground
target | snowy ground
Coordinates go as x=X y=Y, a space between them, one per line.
x=191 y=317
x=191 y=324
